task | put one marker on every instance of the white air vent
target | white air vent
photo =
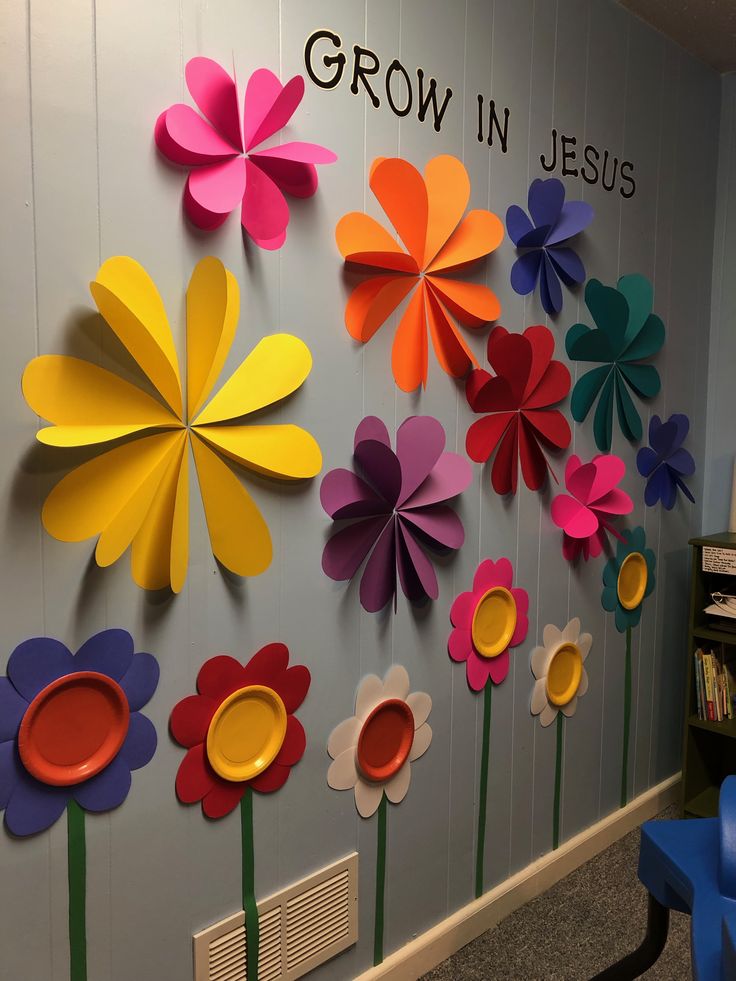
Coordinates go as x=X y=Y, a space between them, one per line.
x=300 y=927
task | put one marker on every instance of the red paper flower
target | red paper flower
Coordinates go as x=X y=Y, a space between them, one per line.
x=520 y=422
x=240 y=729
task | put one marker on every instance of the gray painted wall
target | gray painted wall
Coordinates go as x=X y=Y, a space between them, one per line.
x=82 y=85
x=721 y=441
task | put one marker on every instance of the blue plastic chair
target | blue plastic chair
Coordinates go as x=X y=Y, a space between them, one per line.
x=689 y=866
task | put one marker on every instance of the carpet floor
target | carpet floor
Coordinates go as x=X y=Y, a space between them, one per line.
x=582 y=924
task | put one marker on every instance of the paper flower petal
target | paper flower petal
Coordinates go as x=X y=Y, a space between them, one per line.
x=371 y=303
x=239 y=536
x=216 y=95
x=35 y=663
x=479 y=234
x=403 y=196
x=275 y=368
x=270 y=114
x=545 y=201
x=362 y=240
x=574 y=218
x=420 y=441
x=448 y=193
x=187 y=140
x=409 y=351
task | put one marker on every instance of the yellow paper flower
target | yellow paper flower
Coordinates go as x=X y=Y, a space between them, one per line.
x=138 y=492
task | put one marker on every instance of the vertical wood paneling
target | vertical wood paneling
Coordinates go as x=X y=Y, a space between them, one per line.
x=82 y=86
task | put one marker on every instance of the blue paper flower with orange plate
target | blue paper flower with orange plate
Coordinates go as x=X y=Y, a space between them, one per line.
x=71 y=731
x=548 y=256
x=665 y=461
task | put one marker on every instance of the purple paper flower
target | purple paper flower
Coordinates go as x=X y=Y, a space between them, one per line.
x=70 y=727
x=664 y=462
x=546 y=259
x=399 y=509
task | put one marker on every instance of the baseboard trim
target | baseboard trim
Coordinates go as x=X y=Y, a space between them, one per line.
x=447 y=937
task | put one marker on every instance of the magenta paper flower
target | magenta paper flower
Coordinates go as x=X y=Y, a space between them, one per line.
x=226 y=170
x=488 y=620
x=585 y=513
x=400 y=510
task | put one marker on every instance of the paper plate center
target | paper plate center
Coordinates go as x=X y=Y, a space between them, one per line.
x=73 y=728
x=632 y=580
x=494 y=622
x=564 y=674
x=385 y=740
x=246 y=733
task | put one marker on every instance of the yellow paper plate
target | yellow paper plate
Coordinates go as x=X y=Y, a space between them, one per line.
x=632 y=580
x=246 y=733
x=494 y=622
x=564 y=674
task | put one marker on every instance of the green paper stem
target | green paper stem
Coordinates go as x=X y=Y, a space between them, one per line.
x=627 y=722
x=481 y=846
x=249 y=889
x=558 y=781
x=77 y=864
x=380 y=882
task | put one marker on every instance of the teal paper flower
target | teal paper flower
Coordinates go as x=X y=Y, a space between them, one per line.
x=626 y=333
x=628 y=578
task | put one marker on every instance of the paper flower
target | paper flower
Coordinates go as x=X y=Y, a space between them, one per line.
x=521 y=422
x=71 y=727
x=240 y=730
x=561 y=679
x=665 y=462
x=399 y=507
x=585 y=513
x=427 y=214
x=241 y=735
x=626 y=333
x=372 y=753
x=546 y=258
x=628 y=577
x=373 y=750
x=488 y=620
x=225 y=169
x=559 y=669
x=138 y=491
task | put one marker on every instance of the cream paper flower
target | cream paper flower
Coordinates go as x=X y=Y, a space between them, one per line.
x=373 y=750
x=559 y=667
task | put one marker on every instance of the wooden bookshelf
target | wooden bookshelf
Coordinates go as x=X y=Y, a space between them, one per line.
x=709 y=751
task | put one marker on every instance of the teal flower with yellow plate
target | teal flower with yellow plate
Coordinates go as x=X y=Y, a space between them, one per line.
x=628 y=578
x=626 y=334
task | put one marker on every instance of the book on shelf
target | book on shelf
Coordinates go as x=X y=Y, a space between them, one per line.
x=715 y=684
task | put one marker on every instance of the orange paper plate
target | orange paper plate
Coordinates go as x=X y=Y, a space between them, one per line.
x=73 y=728
x=385 y=740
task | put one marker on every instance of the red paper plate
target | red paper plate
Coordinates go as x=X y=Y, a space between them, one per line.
x=73 y=728
x=385 y=740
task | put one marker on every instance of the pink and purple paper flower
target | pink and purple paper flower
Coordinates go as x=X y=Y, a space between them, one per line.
x=508 y=623
x=397 y=509
x=585 y=513
x=665 y=461
x=71 y=727
x=225 y=168
x=547 y=257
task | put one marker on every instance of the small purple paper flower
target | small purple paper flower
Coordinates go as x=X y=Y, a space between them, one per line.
x=664 y=462
x=70 y=727
x=546 y=259
x=399 y=509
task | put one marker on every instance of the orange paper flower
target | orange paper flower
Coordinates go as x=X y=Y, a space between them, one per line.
x=427 y=213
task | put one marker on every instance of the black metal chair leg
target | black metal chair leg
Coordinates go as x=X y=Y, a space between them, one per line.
x=640 y=960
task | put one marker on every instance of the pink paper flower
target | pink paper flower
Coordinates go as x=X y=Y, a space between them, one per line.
x=488 y=621
x=585 y=513
x=225 y=169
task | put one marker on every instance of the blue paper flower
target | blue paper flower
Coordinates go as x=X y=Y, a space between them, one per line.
x=664 y=462
x=628 y=578
x=70 y=727
x=546 y=259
